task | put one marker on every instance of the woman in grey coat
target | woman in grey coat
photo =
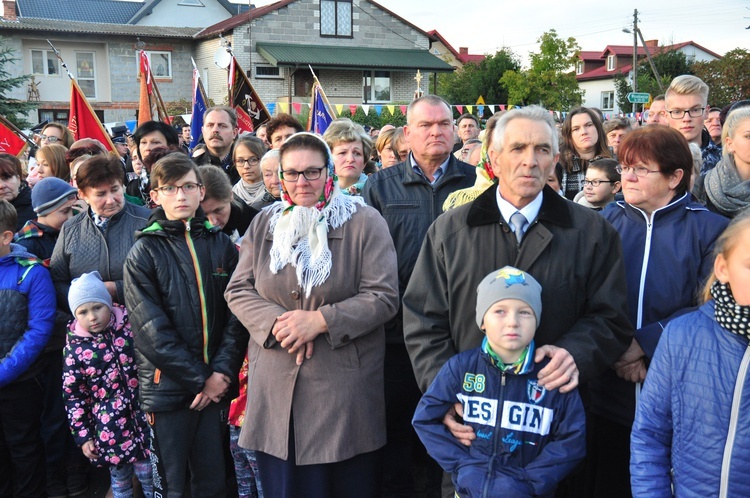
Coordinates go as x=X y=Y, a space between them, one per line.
x=315 y=282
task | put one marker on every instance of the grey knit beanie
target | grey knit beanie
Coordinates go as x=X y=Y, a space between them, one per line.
x=88 y=288
x=49 y=194
x=508 y=283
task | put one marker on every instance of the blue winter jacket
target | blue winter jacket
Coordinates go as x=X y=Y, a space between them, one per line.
x=667 y=261
x=27 y=314
x=528 y=438
x=681 y=432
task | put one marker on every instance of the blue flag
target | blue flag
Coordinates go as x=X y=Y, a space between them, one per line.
x=199 y=107
x=321 y=116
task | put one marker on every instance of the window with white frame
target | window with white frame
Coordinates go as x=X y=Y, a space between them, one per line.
x=579 y=67
x=336 y=18
x=191 y=3
x=86 y=73
x=161 y=64
x=376 y=86
x=262 y=71
x=608 y=101
x=611 y=62
x=45 y=62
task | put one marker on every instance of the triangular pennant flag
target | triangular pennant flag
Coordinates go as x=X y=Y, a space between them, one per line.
x=391 y=109
x=353 y=109
x=339 y=109
x=297 y=107
x=402 y=108
x=366 y=108
x=284 y=107
x=251 y=113
x=480 y=110
x=378 y=109
x=271 y=108
x=492 y=108
x=470 y=109
x=460 y=109
x=510 y=106
x=502 y=107
x=10 y=142
x=83 y=122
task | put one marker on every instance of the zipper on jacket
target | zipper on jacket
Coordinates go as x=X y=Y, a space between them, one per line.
x=733 y=420
x=495 y=438
x=201 y=295
x=644 y=270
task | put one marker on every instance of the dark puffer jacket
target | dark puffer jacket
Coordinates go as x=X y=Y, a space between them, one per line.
x=82 y=248
x=183 y=328
x=27 y=314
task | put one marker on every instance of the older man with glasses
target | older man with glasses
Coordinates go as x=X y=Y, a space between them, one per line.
x=687 y=108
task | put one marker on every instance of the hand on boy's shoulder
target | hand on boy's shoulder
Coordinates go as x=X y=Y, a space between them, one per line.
x=561 y=371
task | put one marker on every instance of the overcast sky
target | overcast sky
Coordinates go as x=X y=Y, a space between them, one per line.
x=485 y=26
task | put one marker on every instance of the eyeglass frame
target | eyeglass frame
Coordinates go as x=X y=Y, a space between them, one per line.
x=597 y=182
x=176 y=188
x=682 y=112
x=50 y=138
x=623 y=170
x=304 y=173
x=242 y=163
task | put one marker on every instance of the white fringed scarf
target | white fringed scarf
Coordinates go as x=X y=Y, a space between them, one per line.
x=300 y=234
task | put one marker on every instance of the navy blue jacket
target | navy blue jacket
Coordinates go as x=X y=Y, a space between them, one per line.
x=681 y=432
x=528 y=438
x=667 y=261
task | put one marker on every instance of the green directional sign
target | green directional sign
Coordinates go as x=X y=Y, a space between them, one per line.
x=638 y=98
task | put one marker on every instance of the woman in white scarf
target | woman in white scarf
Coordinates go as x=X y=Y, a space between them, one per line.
x=317 y=273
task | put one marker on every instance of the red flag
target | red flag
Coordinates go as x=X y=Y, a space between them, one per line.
x=251 y=112
x=83 y=122
x=144 y=103
x=353 y=109
x=10 y=143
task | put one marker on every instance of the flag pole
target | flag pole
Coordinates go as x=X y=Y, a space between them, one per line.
x=322 y=93
x=200 y=83
x=62 y=62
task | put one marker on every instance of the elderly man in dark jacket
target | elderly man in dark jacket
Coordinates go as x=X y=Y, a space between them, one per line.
x=574 y=254
x=410 y=195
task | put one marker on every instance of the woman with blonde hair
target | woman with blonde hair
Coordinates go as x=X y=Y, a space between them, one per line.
x=51 y=162
x=350 y=146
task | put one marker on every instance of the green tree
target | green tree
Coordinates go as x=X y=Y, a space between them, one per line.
x=12 y=109
x=467 y=84
x=550 y=80
x=727 y=78
x=669 y=65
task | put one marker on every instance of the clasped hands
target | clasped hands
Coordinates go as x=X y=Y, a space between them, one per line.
x=296 y=330
x=632 y=364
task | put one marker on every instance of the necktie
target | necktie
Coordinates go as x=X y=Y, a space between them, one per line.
x=519 y=224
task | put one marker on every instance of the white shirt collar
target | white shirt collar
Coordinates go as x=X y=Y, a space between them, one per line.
x=530 y=211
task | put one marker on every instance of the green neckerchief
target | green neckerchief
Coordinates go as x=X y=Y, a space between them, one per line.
x=516 y=367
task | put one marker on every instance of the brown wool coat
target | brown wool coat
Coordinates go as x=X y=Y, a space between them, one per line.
x=336 y=397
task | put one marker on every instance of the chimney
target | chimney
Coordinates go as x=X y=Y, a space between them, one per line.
x=9 y=10
x=652 y=43
x=463 y=50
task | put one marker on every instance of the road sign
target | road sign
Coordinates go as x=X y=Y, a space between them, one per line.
x=638 y=98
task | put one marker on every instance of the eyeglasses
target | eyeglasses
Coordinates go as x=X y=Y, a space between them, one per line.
x=693 y=113
x=596 y=183
x=188 y=188
x=50 y=138
x=245 y=163
x=639 y=171
x=310 y=174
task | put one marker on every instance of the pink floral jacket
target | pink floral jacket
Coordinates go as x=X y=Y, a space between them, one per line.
x=100 y=388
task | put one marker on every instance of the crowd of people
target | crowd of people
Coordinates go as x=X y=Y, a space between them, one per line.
x=517 y=307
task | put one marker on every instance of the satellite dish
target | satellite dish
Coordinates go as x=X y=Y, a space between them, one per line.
x=222 y=58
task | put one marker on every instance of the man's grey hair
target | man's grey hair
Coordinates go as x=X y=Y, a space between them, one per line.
x=428 y=99
x=229 y=110
x=688 y=85
x=533 y=113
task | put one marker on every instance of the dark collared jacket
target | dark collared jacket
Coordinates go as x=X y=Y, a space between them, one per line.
x=572 y=251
